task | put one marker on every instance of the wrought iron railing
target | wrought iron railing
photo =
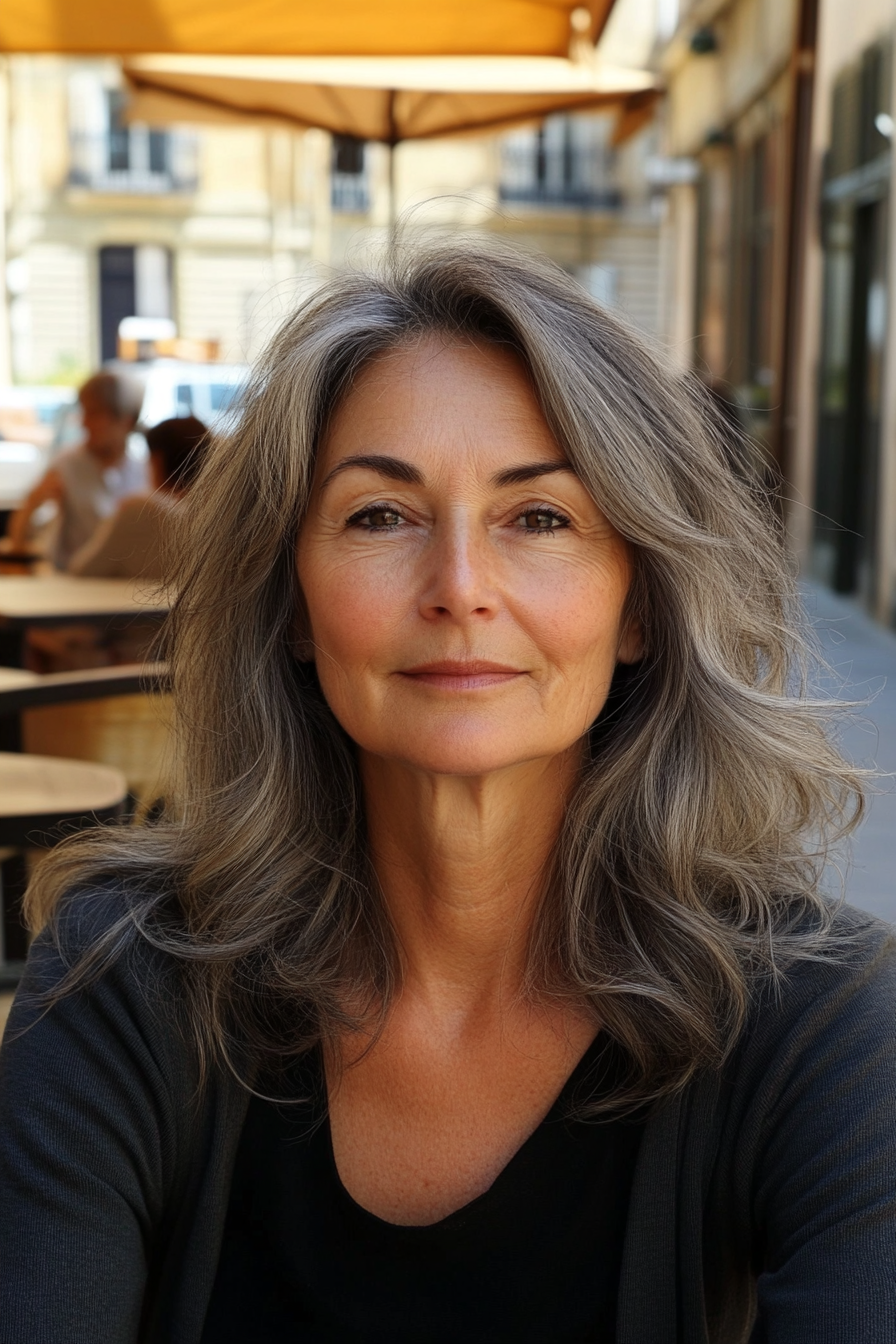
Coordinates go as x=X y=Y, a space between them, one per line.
x=350 y=193
x=134 y=160
x=569 y=176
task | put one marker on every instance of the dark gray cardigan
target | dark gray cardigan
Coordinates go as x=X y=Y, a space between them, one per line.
x=763 y=1207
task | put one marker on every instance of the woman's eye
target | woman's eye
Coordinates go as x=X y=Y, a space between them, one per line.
x=543 y=520
x=376 y=519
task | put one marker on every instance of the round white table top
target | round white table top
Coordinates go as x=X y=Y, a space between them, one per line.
x=32 y=598
x=14 y=678
x=33 y=786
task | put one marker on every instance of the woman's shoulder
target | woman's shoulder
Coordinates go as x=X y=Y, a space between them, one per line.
x=94 y=967
x=107 y=1123
x=839 y=1000
x=857 y=952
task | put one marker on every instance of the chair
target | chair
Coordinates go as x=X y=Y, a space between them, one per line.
x=40 y=794
x=124 y=727
x=94 y=742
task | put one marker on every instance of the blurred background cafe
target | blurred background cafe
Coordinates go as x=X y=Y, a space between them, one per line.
x=174 y=178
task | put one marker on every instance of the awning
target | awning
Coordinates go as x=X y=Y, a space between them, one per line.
x=301 y=27
x=381 y=99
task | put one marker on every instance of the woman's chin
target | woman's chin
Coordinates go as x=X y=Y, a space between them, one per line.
x=470 y=759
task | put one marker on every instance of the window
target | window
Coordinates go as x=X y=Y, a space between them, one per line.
x=109 y=154
x=349 y=186
x=568 y=161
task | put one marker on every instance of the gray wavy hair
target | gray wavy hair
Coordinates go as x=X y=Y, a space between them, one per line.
x=689 y=863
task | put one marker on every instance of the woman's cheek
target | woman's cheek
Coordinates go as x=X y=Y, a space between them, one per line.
x=356 y=613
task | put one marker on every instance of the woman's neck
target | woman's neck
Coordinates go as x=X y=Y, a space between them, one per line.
x=461 y=863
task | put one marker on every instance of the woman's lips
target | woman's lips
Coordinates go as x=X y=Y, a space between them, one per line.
x=451 y=675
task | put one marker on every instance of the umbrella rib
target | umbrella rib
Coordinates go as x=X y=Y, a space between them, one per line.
x=251 y=110
x=499 y=120
x=234 y=110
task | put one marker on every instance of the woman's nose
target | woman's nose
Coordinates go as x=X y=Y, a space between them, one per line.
x=461 y=572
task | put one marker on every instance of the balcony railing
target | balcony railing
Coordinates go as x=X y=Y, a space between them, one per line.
x=350 y=193
x=134 y=161
x=569 y=177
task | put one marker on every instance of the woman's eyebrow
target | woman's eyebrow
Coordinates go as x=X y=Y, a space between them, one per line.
x=397 y=469
x=393 y=468
x=529 y=471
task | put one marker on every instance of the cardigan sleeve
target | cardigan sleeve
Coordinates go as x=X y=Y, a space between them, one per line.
x=88 y=1139
x=824 y=1198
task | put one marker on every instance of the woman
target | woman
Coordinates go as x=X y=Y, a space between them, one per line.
x=482 y=987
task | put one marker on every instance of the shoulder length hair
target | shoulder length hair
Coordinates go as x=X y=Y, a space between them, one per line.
x=691 y=854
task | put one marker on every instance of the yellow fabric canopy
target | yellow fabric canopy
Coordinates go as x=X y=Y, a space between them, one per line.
x=381 y=99
x=301 y=27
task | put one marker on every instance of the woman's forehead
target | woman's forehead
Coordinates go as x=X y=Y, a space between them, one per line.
x=437 y=396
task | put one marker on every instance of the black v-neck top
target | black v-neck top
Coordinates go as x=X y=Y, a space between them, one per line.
x=535 y=1258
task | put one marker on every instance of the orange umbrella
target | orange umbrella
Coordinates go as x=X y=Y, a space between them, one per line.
x=306 y=27
x=386 y=99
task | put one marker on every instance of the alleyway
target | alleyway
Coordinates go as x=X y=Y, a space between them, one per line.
x=864 y=655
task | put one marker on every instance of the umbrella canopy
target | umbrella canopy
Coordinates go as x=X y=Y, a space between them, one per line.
x=389 y=100
x=306 y=27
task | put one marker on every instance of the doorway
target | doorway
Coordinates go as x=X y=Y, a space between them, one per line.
x=855 y=320
x=118 y=295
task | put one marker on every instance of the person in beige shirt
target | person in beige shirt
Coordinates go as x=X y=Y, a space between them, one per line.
x=130 y=544
x=87 y=481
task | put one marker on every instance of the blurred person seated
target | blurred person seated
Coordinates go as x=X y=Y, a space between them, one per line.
x=87 y=481
x=130 y=544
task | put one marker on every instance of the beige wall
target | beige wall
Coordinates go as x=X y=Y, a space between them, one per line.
x=235 y=240
x=5 y=350
x=709 y=92
x=737 y=92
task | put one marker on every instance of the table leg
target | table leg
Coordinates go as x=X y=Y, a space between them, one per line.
x=12 y=646
x=13 y=881
x=10 y=732
x=12 y=651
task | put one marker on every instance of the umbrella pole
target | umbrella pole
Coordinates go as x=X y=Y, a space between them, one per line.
x=393 y=210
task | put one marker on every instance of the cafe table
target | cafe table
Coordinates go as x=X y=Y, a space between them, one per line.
x=63 y=599
x=54 y=600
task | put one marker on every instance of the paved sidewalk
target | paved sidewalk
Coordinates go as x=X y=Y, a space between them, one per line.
x=863 y=654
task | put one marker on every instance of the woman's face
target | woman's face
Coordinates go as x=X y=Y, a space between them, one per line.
x=464 y=591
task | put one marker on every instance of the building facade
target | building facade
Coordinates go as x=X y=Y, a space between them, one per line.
x=777 y=257
x=217 y=231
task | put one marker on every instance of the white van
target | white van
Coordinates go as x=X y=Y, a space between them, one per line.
x=175 y=388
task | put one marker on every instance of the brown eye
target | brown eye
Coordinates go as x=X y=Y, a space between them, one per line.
x=379 y=519
x=543 y=520
x=383 y=518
